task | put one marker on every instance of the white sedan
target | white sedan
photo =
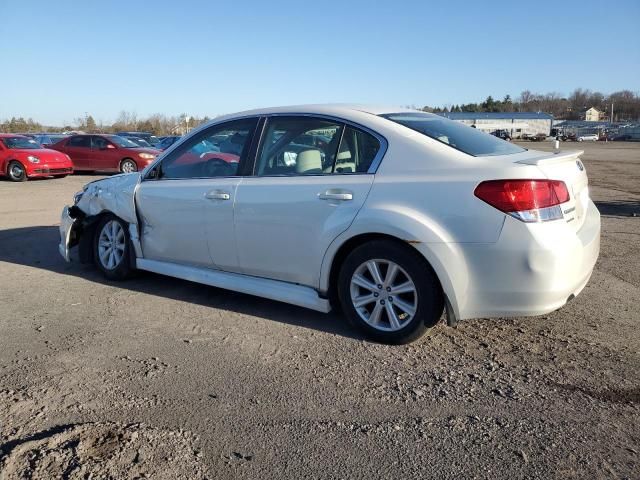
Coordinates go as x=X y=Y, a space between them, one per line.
x=392 y=215
x=591 y=137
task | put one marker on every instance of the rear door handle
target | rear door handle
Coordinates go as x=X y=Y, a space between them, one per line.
x=336 y=194
x=218 y=195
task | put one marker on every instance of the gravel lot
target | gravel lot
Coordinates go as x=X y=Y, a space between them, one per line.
x=163 y=378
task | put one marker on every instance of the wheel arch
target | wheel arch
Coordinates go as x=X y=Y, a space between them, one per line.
x=124 y=159
x=86 y=234
x=8 y=162
x=453 y=279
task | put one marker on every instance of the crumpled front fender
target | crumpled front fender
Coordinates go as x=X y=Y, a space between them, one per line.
x=114 y=194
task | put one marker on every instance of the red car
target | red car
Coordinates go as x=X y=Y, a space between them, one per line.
x=105 y=153
x=22 y=157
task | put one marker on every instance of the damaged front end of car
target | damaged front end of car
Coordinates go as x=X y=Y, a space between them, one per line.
x=114 y=195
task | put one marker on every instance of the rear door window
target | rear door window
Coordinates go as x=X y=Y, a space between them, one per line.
x=299 y=146
x=99 y=143
x=84 y=142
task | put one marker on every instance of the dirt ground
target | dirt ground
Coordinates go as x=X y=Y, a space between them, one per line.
x=162 y=378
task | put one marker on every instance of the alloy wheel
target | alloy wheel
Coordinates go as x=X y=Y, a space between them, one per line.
x=384 y=295
x=128 y=166
x=16 y=171
x=111 y=245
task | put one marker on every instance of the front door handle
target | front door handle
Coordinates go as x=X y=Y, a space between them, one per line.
x=218 y=195
x=336 y=194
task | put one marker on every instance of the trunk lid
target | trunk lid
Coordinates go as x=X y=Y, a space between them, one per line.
x=568 y=167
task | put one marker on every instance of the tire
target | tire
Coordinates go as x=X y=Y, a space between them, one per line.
x=113 y=257
x=400 y=317
x=579 y=139
x=16 y=172
x=128 y=166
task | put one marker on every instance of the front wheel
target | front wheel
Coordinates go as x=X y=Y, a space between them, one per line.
x=16 y=172
x=388 y=291
x=128 y=166
x=112 y=249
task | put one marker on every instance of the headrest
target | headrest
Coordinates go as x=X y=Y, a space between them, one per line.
x=309 y=161
x=346 y=155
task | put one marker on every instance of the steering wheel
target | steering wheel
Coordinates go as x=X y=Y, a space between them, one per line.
x=217 y=167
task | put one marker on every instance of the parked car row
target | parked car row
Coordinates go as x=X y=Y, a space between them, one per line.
x=148 y=138
x=46 y=139
x=23 y=157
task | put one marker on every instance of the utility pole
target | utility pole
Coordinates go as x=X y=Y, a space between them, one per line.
x=611 y=112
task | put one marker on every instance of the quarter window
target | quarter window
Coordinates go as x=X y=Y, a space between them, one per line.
x=357 y=151
x=215 y=152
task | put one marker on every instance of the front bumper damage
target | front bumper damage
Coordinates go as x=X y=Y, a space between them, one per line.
x=71 y=226
x=76 y=229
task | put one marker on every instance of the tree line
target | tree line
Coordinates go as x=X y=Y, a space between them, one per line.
x=157 y=124
x=626 y=104
x=626 y=108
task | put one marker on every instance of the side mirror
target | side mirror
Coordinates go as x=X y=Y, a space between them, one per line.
x=153 y=173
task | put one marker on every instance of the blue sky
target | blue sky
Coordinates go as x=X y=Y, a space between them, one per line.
x=61 y=59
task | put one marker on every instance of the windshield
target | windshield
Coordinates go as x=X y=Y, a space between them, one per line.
x=140 y=141
x=455 y=134
x=21 y=142
x=123 y=142
x=166 y=142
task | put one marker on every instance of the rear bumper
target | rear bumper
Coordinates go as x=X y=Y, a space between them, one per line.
x=533 y=269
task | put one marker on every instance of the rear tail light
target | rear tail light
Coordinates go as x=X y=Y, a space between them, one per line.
x=526 y=200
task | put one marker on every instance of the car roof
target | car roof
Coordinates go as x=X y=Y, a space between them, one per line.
x=337 y=109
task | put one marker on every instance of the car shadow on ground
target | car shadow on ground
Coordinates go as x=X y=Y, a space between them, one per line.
x=619 y=208
x=94 y=175
x=37 y=247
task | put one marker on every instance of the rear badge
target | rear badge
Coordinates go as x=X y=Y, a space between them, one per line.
x=580 y=165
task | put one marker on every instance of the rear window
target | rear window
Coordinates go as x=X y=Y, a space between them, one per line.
x=455 y=134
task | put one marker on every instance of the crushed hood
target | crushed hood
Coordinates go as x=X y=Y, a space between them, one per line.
x=114 y=194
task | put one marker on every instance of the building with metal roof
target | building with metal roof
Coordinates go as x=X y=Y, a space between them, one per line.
x=518 y=124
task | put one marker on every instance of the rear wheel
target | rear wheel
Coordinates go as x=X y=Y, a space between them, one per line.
x=389 y=292
x=128 y=166
x=112 y=248
x=16 y=172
